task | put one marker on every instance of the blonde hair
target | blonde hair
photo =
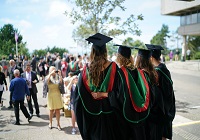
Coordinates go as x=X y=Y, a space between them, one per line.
x=51 y=69
x=1 y=68
x=126 y=62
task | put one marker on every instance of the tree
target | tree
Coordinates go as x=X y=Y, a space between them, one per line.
x=56 y=50
x=95 y=16
x=175 y=37
x=7 y=40
x=160 y=38
x=128 y=41
x=40 y=52
x=43 y=52
x=193 y=45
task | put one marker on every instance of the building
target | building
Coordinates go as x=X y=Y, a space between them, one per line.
x=189 y=13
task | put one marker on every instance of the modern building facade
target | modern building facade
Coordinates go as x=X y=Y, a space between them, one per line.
x=189 y=13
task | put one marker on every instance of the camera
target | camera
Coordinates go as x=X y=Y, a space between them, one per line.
x=56 y=71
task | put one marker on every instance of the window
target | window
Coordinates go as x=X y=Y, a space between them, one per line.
x=194 y=18
x=198 y=17
x=188 y=19
x=182 y=20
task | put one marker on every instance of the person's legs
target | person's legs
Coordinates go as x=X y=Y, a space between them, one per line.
x=16 y=110
x=10 y=102
x=58 y=118
x=50 y=118
x=73 y=118
x=24 y=110
x=73 y=122
x=1 y=92
x=30 y=106
x=35 y=100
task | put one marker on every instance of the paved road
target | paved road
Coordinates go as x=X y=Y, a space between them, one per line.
x=38 y=127
x=186 y=125
x=186 y=78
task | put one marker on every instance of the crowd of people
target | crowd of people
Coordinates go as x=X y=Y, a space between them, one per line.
x=122 y=99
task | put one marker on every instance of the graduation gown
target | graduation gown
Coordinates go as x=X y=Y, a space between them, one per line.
x=167 y=92
x=73 y=67
x=97 y=119
x=159 y=122
x=134 y=99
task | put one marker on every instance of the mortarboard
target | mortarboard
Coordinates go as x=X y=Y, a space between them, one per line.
x=99 y=41
x=144 y=52
x=124 y=50
x=155 y=49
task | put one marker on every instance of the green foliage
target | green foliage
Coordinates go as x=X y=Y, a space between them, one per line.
x=95 y=16
x=40 y=52
x=128 y=41
x=193 y=44
x=111 y=49
x=196 y=55
x=160 y=38
x=43 y=52
x=7 y=41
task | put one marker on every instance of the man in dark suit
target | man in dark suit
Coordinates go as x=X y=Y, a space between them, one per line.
x=31 y=80
x=33 y=63
x=11 y=69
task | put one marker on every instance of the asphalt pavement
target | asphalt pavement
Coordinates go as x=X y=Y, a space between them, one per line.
x=183 y=127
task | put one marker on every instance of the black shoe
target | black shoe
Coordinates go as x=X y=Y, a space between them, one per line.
x=30 y=118
x=38 y=115
x=16 y=123
x=10 y=107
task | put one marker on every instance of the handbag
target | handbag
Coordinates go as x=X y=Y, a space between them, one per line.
x=61 y=87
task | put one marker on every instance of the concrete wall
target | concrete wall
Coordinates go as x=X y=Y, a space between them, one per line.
x=169 y=7
x=193 y=29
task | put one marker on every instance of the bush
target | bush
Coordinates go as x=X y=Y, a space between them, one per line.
x=197 y=55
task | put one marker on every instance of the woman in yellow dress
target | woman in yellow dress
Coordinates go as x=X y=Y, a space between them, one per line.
x=55 y=102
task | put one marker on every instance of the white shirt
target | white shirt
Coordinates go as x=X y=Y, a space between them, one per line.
x=28 y=77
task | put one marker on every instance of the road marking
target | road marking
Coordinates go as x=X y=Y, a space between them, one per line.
x=195 y=107
x=188 y=123
x=180 y=120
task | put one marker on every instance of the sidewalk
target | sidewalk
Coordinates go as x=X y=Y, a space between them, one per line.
x=38 y=127
x=191 y=67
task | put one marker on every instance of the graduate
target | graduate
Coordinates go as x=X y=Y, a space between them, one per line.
x=73 y=67
x=165 y=84
x=97 y=86
x=143 y=62
x=134 y=94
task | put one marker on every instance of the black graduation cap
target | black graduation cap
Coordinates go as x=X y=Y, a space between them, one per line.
x=155 y=49
x=99 y=41
x=144 y=52
x=124 y=50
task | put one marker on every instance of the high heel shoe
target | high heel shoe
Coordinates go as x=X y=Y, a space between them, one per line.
x=50 y=126
x=59 y=128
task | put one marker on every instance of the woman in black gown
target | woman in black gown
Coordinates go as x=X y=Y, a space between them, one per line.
x=96 y=118
x=134 y=94
x=167 y=101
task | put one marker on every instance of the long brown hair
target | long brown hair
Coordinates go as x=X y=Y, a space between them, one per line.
x=147 y=66
x=98 y=59
x=126 y=62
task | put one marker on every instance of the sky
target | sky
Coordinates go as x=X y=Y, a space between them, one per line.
x=42 y=22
